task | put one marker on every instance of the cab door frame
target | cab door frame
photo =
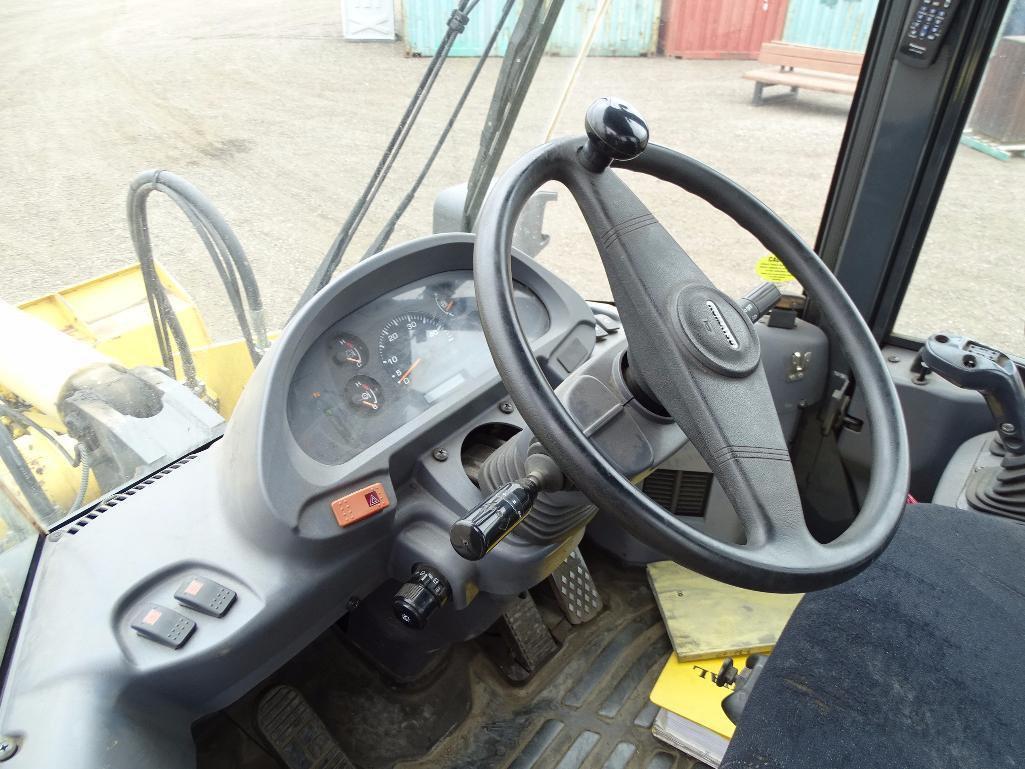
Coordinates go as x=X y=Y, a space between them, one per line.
x=900 y=140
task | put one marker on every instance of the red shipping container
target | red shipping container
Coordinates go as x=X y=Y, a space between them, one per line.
x=720 y=29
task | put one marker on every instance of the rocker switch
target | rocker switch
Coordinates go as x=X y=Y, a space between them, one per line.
x=204 y=595
x=162 y=625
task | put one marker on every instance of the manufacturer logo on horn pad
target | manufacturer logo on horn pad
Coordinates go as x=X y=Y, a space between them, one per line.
x=716 y=331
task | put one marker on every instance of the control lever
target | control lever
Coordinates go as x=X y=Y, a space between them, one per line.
x=488 y=523
x=756 y=303
x=974 y=366
x=475 y=534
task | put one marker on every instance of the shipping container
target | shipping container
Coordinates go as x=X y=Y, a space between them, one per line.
x=726 y=29
x=368 y=19
x=839 y=24
x=424 y=23
x=629 y=28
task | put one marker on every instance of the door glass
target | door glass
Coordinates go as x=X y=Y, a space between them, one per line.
x=970 y=276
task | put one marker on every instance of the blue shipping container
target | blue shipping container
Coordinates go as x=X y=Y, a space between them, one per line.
x=629 y=28
x=839 y=24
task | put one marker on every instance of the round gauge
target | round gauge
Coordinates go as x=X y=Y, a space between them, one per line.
x=365 y=396
x=446 y=301
x=408 y=342
x=349 y=350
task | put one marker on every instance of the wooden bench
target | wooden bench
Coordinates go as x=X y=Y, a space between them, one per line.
x=804 y=66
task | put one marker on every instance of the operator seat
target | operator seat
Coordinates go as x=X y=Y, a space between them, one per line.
x=917 y=662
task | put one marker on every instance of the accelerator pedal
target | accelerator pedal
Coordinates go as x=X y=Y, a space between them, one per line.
x=575 y=590
x=296 y=733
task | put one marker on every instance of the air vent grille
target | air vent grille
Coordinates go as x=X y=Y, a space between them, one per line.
x=121 y=496
x=679 y=491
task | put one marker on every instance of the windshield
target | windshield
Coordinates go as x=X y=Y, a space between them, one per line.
x=272 y=121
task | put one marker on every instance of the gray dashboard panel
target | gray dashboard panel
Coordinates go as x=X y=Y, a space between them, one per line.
x=292 y=489
x=252 y=512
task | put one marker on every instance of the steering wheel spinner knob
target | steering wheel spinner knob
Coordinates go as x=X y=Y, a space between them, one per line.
x=615 y=131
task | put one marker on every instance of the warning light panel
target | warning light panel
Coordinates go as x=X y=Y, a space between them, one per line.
x=360 y=504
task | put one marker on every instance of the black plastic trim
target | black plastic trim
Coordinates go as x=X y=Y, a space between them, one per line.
x=19 y=616
x=900 y=142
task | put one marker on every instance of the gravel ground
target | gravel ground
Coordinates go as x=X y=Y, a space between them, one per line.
x=263 y=106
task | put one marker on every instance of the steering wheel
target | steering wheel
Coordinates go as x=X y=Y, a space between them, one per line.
x=698 y=354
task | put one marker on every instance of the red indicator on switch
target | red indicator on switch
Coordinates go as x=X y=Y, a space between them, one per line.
x=151 y=617
x=194 y=587
x=360 y=504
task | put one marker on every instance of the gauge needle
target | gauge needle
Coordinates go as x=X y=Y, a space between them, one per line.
x=410 y=369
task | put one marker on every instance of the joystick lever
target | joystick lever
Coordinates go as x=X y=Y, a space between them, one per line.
x=975 y=366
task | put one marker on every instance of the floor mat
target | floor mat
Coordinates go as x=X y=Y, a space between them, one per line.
x=587 y=708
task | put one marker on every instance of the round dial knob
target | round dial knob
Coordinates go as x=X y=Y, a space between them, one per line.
x=615 y=131
x=425 y=593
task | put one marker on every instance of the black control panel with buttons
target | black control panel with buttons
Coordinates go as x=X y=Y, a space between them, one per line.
x=929 y=22
x=163 y=625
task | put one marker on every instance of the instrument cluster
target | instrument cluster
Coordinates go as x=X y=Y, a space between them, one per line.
x=393 y=359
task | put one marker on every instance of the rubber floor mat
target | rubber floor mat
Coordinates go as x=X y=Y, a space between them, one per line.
x=587 y=709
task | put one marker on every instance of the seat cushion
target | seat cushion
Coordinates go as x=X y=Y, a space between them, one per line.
x=917 y=662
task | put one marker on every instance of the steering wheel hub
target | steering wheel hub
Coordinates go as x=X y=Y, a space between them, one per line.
x=717 y=333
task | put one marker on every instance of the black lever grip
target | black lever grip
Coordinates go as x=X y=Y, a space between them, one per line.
x=975 y=366
x=488 y=523
x=759 y=301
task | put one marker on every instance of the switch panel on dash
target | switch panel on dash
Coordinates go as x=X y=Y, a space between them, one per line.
x=163 y=625
x=926 y=28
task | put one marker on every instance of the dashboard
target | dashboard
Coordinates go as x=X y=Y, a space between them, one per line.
x=386 y=363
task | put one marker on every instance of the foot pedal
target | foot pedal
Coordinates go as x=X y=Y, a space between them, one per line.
x=296 y=733
x=528 y=636
x=575 y=590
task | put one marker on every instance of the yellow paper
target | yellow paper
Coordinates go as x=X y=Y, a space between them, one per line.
x=706 y=618
x=688 y=689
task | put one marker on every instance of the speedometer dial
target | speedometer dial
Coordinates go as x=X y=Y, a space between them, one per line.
x=411 y=345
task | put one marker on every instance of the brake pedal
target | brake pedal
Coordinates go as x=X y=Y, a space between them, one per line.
x=295 y=731
x=575 y=590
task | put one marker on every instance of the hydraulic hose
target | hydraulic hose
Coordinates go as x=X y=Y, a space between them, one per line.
x=44 y=510
x=225 y=250
x=456 y=24
x=389 y=226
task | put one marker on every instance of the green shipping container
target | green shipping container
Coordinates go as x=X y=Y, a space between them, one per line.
x=838 y=24
x=629 y=28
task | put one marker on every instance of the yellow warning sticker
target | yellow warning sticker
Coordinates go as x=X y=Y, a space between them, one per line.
x=769 y=267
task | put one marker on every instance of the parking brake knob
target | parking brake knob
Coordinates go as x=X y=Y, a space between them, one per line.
x=615 y=131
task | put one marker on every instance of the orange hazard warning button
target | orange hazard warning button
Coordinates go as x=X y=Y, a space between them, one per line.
x=359 y=504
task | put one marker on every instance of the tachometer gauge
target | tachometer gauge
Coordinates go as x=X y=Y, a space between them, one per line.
x=349 y=350
x=364 y=395
x=410 y=345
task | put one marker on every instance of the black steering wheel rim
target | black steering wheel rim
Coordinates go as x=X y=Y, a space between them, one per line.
x=776 y=571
